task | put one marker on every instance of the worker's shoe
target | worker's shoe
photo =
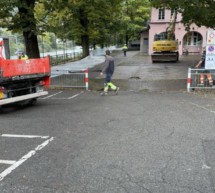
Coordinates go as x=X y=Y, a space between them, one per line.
x=116 y=91
x=104 y=93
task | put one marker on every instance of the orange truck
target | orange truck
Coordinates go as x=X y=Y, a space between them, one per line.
x=22 y=81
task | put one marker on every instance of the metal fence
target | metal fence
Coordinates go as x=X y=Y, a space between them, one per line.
x=200 y=79
x=70 y=79
x=63 y=58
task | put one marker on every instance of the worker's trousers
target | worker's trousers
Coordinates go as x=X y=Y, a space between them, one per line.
x=108 y=84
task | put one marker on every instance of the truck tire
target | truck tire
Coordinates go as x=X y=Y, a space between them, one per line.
x=32 y=101
x=177 y=57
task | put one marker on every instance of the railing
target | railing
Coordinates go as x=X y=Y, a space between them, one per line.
x=200 y=79
x=63 y=58
x=70 y=79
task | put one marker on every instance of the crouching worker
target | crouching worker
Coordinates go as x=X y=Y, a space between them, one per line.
x=108 y=70
x=201 y=65
x=22 y=55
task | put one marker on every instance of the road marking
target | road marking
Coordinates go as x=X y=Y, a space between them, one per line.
x=199 y=106
x=52 y=95
x=62 y=98
x=25 y=136
x=59 y=98
x=9 y=162
x=75 y=95
x=204 y=166
x=24 y=158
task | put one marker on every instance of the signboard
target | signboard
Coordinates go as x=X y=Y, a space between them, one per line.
x=210 y=50
x=211 y=37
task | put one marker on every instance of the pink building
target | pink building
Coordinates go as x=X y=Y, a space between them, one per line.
x=191 y=41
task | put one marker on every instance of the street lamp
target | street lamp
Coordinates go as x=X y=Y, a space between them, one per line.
x=42 y=46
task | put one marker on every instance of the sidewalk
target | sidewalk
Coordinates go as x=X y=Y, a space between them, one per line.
x=96 y=57
x=136 y=72
x=133 y=72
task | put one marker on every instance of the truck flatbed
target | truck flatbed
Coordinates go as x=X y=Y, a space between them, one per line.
x=23 y=69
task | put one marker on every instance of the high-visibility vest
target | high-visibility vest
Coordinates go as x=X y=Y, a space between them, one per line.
x=125 y=48
x=24 y=57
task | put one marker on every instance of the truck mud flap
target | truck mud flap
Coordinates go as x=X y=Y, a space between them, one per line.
x=22 y=98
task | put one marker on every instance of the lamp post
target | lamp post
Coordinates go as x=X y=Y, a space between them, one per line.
x=14 y=36
x=55 y=43
x=42 y=46
x=41 y=33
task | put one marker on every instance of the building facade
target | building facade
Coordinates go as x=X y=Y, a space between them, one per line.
x=188 y=42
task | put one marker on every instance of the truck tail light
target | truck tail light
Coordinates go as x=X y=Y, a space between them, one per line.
x=2 y=89
x=42 y=83
x=2 y=92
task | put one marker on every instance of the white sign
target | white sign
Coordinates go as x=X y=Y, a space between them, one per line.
x=210 y=50
x=210 y=62
x=211 y=37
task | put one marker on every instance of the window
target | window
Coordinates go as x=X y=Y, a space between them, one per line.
x=193 y=39
x=161 y=36
x=161 y=14
x=173 y=11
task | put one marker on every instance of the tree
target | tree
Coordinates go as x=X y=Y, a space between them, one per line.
x=91 y=22
x=18 y=16
x=200 y=12
x=135 y=16
x=87 y=22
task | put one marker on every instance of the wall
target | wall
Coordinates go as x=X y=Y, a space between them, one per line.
x=158 y=26
x=144 y=41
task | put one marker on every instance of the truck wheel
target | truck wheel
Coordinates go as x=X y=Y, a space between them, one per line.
x=177 y=57
x=32 y=102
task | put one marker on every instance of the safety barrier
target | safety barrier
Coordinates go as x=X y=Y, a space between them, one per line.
x=194 y=79
x=70 y=79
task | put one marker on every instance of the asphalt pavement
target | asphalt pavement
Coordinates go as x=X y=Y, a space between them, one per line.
x=153 y=137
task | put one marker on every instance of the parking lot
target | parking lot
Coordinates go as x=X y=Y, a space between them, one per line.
x=19 y=141
x=149 y=138
x=78 y=141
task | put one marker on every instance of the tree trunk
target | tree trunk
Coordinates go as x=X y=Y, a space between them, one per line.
x=28 y=26
x=126 y=38
x=31 y=45
x=85 y=45
x=84 y=37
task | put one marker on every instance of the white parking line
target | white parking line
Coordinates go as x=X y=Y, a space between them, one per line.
x=24 y=158
x=199 y=106
x=9 y=162
x=75 y=95
x=25 y=136
x=67 y=98
x=52 y=95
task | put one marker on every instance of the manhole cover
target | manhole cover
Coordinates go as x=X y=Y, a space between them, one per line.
x=134 y=77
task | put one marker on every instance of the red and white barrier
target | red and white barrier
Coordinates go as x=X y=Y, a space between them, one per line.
x=189 y=80
x=87 y=79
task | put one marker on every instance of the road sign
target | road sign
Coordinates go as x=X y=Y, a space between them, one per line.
x=211 y=37
x=210 y=50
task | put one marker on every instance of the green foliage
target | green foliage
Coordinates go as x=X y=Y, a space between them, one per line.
x=136 y=13
x=102 y=21
x=88 y=22
x=201 y=12
x=18 y=16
